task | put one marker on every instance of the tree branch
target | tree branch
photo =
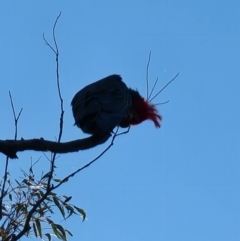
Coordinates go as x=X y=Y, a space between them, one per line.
x=56 y=52
x=11 y=147
x=16 y=118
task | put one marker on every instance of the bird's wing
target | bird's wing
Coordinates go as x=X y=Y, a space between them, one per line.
x=101 y=105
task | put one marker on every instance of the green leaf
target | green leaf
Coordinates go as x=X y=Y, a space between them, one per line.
x=49 y=220
x=36 y=194
x=24 y=194
x=17 y=182
x=35 y=230
x=40 y=211
x=56 y=232
x=82 y=212
x=67 y=199
x=69 y=232
x=49 y=236
x=53 y=193
x=4 y=194
x=57 y=180
x=55 y=200
x=4 y=208
x=46 y=175
x=65 y=180
x=24 y=173
x=26 y=182
x=61 y=229
x=20 y=207
x=42 y=194
x=70 y=210
x=39 y=228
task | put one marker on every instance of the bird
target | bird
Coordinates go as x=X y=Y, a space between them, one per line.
x=108 y=103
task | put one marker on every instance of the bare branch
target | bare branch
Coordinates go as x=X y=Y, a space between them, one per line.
x=14 y=115
x=153 y=89
x=58 y=81
x=164 y=87
x=56 y=52
x=88 y=164
x=47 y=43
x=11 y=147
x=3 y=187
x=162 y=103
x=149 y=59
x=95 y=159
x=7 y=158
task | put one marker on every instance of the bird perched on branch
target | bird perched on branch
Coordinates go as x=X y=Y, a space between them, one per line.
x=101 y=106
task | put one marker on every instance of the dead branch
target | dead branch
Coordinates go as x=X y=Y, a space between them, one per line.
x=56 y=52
x=16 y=118
x=11 y=147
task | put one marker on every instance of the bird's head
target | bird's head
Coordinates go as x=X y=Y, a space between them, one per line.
x=140 y=111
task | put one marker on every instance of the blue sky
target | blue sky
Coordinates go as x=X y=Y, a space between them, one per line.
x=180 y=182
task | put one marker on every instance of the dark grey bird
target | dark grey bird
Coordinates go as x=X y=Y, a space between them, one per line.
x=101 y=106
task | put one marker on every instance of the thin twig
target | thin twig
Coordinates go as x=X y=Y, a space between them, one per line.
x=162 y=103
x=153 y=89
x=3 y=186
x=11 y=147
x=58 y=80
x=7 y=159
x=14 y=115
x=149 y=59
x=94 y=160
x=56 y=52
x=48 y=44
x=124 y=132
x=164 y=87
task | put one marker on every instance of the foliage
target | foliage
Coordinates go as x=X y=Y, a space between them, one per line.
x=21 y=197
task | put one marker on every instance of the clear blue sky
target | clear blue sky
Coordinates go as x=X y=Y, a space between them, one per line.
x=180 y=182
